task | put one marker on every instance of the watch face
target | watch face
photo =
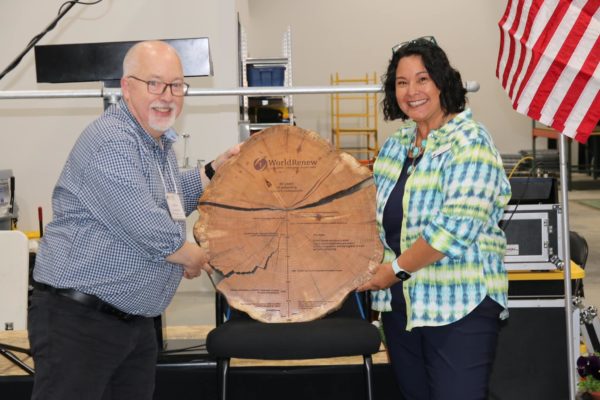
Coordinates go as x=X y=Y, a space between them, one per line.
x=403 y=275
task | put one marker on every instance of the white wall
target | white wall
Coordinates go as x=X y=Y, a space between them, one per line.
x=37 y=135
x=354 y=37
x=347 y=36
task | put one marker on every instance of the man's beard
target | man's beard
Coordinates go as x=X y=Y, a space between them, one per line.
x=162 y=124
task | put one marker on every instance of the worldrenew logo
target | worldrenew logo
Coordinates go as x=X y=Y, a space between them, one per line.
x=260 y=164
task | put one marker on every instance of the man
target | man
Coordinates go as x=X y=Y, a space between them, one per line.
x=116 y=250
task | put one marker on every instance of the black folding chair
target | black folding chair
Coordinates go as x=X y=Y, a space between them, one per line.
x=579 y=250
x=345 y=332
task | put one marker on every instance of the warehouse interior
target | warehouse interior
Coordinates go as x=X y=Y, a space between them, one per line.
x=290 y=44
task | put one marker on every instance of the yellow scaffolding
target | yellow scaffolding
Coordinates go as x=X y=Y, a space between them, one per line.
x=355 y=115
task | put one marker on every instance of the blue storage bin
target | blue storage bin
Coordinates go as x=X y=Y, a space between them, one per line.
x=265 y=75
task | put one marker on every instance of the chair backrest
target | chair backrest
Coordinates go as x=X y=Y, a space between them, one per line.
x=356 y=305
x=578 y=248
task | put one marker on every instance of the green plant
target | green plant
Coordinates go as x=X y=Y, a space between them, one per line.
x=588 y=368
x=589 y=384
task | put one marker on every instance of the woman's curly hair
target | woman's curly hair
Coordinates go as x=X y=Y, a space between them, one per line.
x=447 y=79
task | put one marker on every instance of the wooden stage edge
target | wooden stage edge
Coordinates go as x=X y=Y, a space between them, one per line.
x=199 y=332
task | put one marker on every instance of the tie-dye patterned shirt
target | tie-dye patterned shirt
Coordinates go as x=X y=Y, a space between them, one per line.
x=454 y=200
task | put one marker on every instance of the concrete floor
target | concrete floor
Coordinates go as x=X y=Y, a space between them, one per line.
x=196 y=307
x=191 y=308
x=586 y=221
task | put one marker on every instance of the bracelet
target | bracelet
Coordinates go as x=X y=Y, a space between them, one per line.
x=395 y=266
x=209 y=170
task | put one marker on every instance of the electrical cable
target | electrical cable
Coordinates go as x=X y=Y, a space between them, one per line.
x=512 y=171
x=39 y=36
x=504 y=224
x=83 y=3
x=185 y=349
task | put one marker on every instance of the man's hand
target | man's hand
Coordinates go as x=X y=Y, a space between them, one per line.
x=216 y=163
x=192 y=258
x=226 y=156
x=382 y=278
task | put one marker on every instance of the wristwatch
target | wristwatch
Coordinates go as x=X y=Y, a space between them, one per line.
x=399 y=271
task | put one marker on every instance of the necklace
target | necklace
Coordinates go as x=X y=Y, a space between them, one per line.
x=415 y=151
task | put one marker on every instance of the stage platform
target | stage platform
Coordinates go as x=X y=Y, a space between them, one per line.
x=192 y=374
x=531 y=359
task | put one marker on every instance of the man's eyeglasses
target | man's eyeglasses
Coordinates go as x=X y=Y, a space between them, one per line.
x=157 y=87
x=422 y=39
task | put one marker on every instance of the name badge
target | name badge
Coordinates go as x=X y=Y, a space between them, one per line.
x=175 y=207
x=441 y=150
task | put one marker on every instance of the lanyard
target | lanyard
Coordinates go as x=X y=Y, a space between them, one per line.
x=170 y=173
x=173 y=201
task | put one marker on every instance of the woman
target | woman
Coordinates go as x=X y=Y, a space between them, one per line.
x=441 y=190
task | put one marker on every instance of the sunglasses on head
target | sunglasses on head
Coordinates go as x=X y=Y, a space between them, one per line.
x=422 y=39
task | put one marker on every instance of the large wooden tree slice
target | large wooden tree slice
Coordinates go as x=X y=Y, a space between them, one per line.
x=290 y=226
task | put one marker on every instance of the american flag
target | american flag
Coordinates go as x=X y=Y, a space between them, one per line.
x=548 y=62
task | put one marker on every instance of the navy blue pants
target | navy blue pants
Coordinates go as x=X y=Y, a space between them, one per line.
x=83 y=354
x=450 y=362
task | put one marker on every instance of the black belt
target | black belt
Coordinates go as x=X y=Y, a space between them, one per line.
x=87 y=300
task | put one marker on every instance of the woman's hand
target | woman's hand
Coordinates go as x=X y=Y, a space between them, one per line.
x=417 y=256
x=383 y=277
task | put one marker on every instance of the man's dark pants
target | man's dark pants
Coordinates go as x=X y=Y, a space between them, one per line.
x=81 y=353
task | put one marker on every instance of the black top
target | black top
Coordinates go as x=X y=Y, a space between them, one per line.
x=393 y=213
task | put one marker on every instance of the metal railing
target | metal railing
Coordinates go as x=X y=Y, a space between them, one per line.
x=239 y=91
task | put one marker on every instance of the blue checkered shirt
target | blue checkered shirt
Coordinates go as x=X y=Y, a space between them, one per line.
x=112 y=230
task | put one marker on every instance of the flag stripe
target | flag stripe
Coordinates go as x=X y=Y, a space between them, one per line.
x=584 y=110
x=585 y=128
x=548 y=62
x=515 y=34
x=571 y=28
x=511 y=43
x=579 y=82
x=523 y=52
x=544 y=51
x=541 y=21
x=503 y=39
